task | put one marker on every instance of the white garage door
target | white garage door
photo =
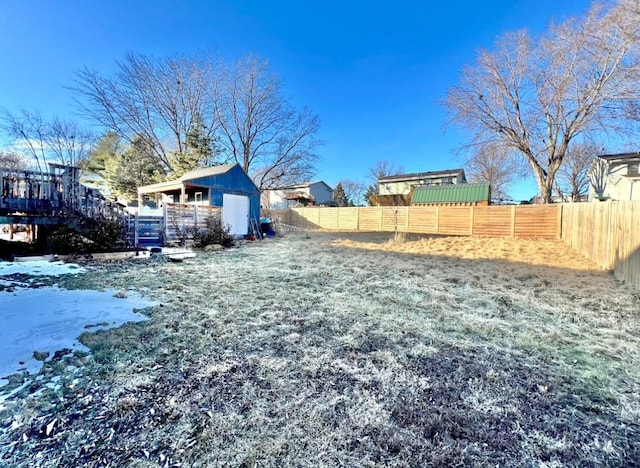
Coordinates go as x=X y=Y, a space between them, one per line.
x=235 y=213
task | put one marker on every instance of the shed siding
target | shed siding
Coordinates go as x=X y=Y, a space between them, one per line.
x=234 y=182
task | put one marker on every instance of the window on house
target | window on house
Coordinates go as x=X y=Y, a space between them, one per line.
x=633 y=169
x=198 y=197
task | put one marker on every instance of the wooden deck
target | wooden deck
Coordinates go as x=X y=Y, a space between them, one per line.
x=48 y=198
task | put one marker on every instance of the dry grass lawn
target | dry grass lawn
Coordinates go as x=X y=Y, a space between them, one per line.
x=355 y=350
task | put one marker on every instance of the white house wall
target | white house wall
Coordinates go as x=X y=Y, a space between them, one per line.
x=404 y=187
x=619 y=186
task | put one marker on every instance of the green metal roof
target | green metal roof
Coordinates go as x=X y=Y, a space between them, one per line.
x=451 y=193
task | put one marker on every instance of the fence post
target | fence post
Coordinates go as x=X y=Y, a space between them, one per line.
x=560 y=209
x=164 y=222
x=513 y=221
x=136 y=236
x=406 y=222
x=438 y=219
x=471 y=219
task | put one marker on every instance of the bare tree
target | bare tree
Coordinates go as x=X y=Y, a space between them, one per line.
x=379 y=169
x=382 y=168
x=28 y=130
x=537 y=96
x=158 y=99
x=495 y=165
x=12 y=160
x=68 y=142
x=61 y=141
x=261 y=130
x=573 y=175
x=354 y=190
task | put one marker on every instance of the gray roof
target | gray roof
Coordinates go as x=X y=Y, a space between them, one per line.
x=207 y=171
x=304 y=185
x=421 y=175
x=620 y=156
x=176 y=184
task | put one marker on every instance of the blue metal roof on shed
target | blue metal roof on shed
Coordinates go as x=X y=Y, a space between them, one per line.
x=451 y=193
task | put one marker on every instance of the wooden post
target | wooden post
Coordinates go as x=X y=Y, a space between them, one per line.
x=437 y=219
x=471 y=219
x=136 y=226
x=165 y=232
x=513 y=221
x=406 y=222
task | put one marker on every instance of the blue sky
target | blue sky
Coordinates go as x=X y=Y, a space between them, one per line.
x=374 y=71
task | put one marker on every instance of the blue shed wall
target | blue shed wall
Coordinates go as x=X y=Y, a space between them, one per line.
x=235 y=182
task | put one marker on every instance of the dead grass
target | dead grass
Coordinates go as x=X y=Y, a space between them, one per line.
x=355 y=350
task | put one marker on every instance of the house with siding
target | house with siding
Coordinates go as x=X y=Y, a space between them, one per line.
x=226 y=186
x=619 y=176
x=396 y=190
x=306 y=194
x=402 y=184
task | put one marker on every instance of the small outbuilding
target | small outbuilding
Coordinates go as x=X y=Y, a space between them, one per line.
x=226 y=186
x=477 y=194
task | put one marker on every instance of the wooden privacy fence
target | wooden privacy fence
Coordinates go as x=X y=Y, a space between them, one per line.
x=181 y=220
x=606 y=233
x=525 y=221
x=177 y=223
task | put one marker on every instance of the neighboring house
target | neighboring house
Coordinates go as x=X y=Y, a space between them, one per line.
x=619 y=176
x=403 y=183
x=306 y=194
x=227 y=186
x=396 y=190
x=477 y=194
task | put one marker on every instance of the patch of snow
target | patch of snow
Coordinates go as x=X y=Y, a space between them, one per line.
x=39 y=268
x=51 y=319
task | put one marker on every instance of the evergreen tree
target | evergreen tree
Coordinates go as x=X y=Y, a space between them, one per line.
x=108 y=147
x=339 y=196
x=136 y=166
x=372 y=191
x=200 y=150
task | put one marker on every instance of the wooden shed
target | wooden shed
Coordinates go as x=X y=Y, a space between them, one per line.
x=226 y=186
x=452 y=194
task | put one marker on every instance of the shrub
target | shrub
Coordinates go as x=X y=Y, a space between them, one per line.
x=215 y=233
x=86 y=235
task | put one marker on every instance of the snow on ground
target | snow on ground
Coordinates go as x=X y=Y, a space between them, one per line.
x=49 y=319
x=39 y=268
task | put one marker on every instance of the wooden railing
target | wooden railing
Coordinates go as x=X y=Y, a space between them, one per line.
x=54 y=193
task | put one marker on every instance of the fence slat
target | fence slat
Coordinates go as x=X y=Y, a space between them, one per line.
x=606 y=233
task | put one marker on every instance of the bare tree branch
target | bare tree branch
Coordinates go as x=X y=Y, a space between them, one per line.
x=261 y=130
x=156 y=98
x=495 y=165
x=537 y=96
